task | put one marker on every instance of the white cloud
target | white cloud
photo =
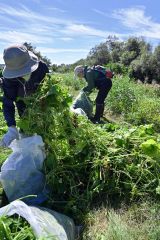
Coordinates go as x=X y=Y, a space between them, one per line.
x=44 y=30
x=136 y=20
x=83 y=30
x=56 y=9
x=64 y=55
x=133 y=17
x=66 y=39
x=26 y=13
x=46 y=27
x=19 y=37
x=100 y=12
x=62 y=50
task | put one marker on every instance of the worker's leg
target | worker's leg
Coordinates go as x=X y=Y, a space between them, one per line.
x=104 y=89
x=21 y=107
x=98 y=112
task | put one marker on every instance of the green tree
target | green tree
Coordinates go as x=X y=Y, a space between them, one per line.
x=115 y=48
x=99 y=55
x=156 y=63
x=54 y=67
x=133 y=48
x=143 y=68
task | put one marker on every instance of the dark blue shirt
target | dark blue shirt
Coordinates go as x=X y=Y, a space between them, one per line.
x=18 y=87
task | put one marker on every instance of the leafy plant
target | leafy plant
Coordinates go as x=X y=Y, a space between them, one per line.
x=86 y=163
x=15 y=228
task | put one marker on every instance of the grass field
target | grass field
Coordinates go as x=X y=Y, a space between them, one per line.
x=107 y=176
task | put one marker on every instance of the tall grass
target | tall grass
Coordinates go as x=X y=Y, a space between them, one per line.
x=137 y=103
x=133 y=102
x=73 y=85
x=139 y=222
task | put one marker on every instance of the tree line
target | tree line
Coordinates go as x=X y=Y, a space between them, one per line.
x=135 y=56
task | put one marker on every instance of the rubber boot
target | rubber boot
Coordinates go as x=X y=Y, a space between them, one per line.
x=98 y=113
x=102 y=110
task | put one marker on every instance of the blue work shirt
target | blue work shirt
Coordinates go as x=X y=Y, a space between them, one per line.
x=18 y=87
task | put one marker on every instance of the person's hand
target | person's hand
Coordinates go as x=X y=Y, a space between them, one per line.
x=9 y=137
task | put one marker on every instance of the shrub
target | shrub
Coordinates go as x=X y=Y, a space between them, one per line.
x=122 y=96
x=117 y=68
x=147 y=111
x=137 y=103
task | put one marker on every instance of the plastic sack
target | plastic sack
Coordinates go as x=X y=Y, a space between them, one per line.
x=83 y=101
x=21 y=172
x=44 y=222
x=78 y=111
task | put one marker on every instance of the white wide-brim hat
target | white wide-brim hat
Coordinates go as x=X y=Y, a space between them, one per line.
x=19 y=61
x=77 y=70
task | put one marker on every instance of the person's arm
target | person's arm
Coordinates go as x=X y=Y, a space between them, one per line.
x=36 y=78
x=9 y=111
x=9 y=115
x=10 y=90
x=90 y=82
x=9 y=96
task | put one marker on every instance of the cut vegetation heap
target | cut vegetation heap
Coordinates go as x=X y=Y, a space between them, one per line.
x=86 y=163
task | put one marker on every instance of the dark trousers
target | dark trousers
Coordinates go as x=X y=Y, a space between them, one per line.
x=104 y=86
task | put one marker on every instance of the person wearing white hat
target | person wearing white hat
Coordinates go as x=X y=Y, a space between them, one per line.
x=95 y=80
x=22 y=73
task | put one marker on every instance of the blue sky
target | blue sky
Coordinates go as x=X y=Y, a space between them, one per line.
x=66 y=30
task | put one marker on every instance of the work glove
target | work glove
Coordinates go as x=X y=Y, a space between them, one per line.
x=9 y=137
